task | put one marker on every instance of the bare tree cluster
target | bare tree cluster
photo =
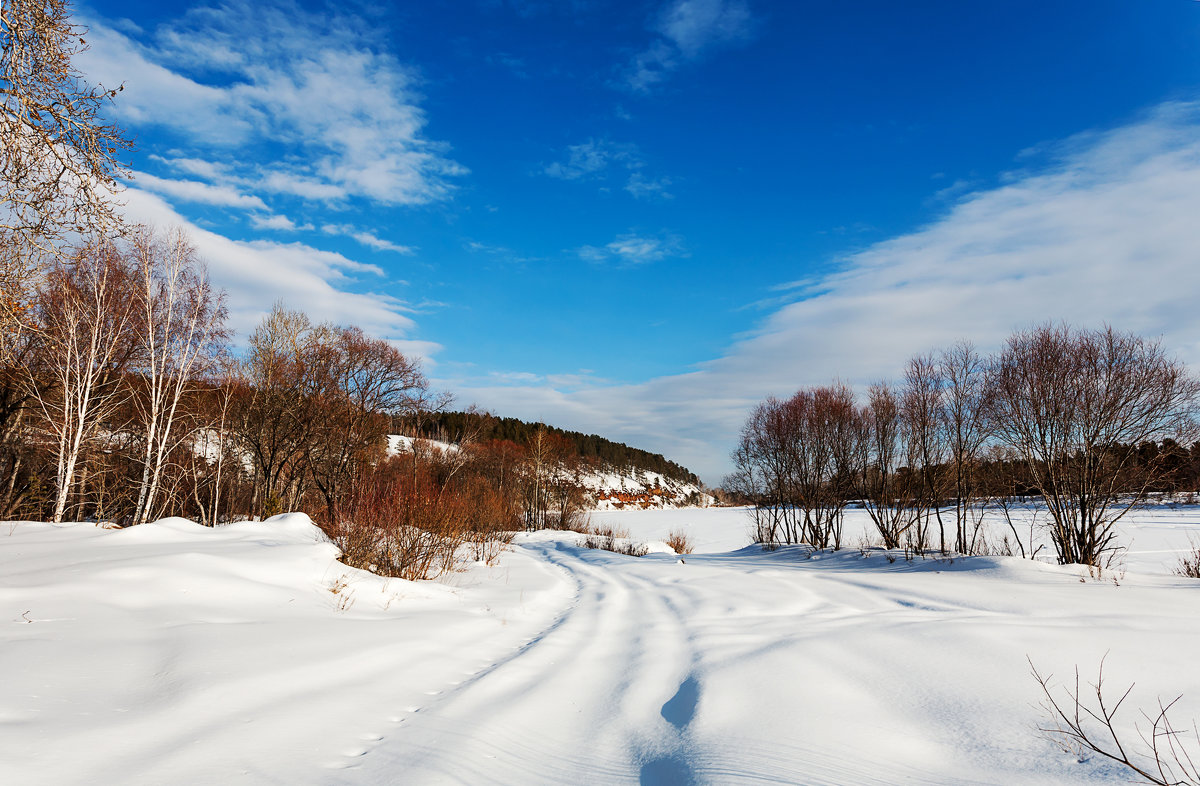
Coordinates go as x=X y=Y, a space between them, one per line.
x=104 y=396
x=125 y=405
x=797 y=458
x=1060 y=413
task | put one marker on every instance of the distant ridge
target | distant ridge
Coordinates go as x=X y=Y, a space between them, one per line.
x=449 y=426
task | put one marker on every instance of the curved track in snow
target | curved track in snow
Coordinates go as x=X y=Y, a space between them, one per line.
x=176 y=654
x=765 y=668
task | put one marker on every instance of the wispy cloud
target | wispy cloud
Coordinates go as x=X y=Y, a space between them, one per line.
x=278 y=223
x=263 y=78
x=366 y=238
x=687 y=30
x=631 y=249
x=257 y=273
x=1103 y=231
x=604 y=160
x=641 y=187
x=197 y=191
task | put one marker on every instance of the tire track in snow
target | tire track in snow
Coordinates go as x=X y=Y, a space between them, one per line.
x=586 y=695
x=435 y=696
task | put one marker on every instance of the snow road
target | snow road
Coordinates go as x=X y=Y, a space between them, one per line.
x=171 y=653
x=758 y=668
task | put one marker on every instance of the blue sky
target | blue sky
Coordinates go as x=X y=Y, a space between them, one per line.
x=639 y=218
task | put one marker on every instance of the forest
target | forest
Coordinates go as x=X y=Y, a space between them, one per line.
x=448 y=426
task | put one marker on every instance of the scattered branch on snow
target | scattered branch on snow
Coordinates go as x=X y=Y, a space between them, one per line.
x=1081 y=724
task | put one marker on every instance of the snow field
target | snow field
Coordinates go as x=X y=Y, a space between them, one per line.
x=174 y=653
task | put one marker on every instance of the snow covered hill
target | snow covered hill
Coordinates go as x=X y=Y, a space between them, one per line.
x=609 y=488
x=616 y=489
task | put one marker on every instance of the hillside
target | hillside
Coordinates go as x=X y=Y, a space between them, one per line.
x=450 y=426
x=608 y=487
x=615 y=476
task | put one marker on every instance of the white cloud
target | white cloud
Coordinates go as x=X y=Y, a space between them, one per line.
x=632 y=249
x=196 y=191
x=366 y=238
x=1106 y=232
x=278 y=223
x=598 y=159
x=687 y=29
x=258 y=273
x=268 y=77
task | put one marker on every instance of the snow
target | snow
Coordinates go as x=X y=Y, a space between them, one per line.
x=173 y=653
x=398 y=443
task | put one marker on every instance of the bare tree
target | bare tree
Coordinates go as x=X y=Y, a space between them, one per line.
x=796 y=460
x=964 y=412
x=1074 y=404
x=922 y=409
x=763 y=470
x=86 y=316
x=271 y=409
x=182 y=325
x=550 y=495
x=58 y=158
x=17 y=440
x=361 y=384
x=887 y=491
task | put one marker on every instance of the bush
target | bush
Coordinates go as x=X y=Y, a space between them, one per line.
x=614 y=539
x=395 y=522
x=679 y=542
x=1189 y=564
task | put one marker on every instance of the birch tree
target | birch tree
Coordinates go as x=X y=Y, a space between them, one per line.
x=182 y=332
x=87 y=315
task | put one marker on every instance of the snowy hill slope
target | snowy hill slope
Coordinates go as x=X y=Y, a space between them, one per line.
x=616 y=489
x=608 y=488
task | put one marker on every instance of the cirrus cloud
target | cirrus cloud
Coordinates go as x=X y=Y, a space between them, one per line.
x=1104 y=231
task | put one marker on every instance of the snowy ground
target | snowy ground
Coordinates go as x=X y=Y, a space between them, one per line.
x=174 y=654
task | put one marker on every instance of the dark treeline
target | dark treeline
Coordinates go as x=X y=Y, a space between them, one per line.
x=1088 y=422
x=1169 y=468
x=446 y=426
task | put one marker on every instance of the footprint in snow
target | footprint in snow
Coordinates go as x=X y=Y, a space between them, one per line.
x=681 y=708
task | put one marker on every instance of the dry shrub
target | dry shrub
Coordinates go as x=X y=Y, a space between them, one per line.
x=1083 y=724
x=614 y=539
x=581 y=524
x=492 y=518
x=396 y=522
x=679 y=542
x=1189 y=564
x=408 y=517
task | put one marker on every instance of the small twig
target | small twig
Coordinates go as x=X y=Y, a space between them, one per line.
x=1173 y=763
